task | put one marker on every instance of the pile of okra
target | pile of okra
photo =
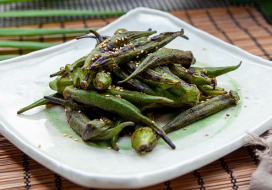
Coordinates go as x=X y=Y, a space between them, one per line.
x=129 y=76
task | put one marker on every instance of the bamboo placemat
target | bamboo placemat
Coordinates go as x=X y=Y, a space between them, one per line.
x=241 y=26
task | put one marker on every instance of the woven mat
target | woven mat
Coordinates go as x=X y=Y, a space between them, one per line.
x=241 y=26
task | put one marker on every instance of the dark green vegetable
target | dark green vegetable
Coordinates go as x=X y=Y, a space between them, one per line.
x=115 y=105
x=188 y=92
x=60 y=83
x=210 y=90
x=216 y=71
x=201 y=111
x=25 y=44
x=143 y=140
x=102 y=81
x=39 y=102
x=123 y=75
x=135 y=50
x=39 y=31
x=78 y=63
x=192 y=76
x=163 y=57
x=137 y=97
x=114 y=142
x=120 y=30
x=153 y=78
x=61 y=72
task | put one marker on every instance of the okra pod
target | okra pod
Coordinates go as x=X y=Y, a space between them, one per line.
x=192 y=76
x=39 y=102
x=102 y=81
x=201 y=111
x=136 y=50
x=143 y=140
x=163 y=57
x=115 y=105
x=189 y=92
x=61 y=72
x=60 y=83
x=137 y=97
x=210 y=90
x=153 y=78
x=216 y=71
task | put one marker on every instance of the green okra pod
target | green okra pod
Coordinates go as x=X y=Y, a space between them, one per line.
x=78 y=63
x=137 y=97
x=123 y=75
x=201 y=111
x=143 y=140
x=114 y=142
x=115 y=105
x=60 y=83
x=164 y=57
x=120 y=30
x=192 y=76
x=210 y=90
x=153 y=78
x=61 y=72
x=39 y=102
x=102 y=81
x=216 y=71
x=136 y=50
x=188 y=92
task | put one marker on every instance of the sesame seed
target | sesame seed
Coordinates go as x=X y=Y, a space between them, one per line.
x=64 y=135
x=118 y=38
x=207 y=134
x=121 y=90
x=105 y=48
x=143 y=152
x=109 y=39
x=125 y=37
x=75 y=140
x=109 y=148
x=116 y=41
x=204 y=48
x=107 y=95
x=232 y=108
x=226 y=117
x=207 y=99
x=142 y=51
x=137 y=57
x=157 y=48
x=66 y=110
x=104 y=45
x=149 y=38
x=245 y=106
x=184 y=129
x=120 y=32
x=101 y=119
x=246 y=97
x=108 y=73
x=39 y=146
x=125 y=45
x=153 y=121
x=236 y=115
x=137 y=66
x=117 y=88
x=79 y=111
x=103 y=71
x=186 y=70
x=93 y=58
x=227 y=114
x=117 y=144
x=70 y=136
x=202 y=102
x=134 y=49
x=113 y=49
x=109 y=88
x=113 y=86
x=239 y=88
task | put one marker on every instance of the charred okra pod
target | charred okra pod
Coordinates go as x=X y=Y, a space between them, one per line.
x=137 y=97
x=143 y=140
x=135 y=50
x=60 y=83
x=210 y=90
x=115 y=105
x=102 y=81
x=39 y=102
x=192 y=76
x=164 y=57
x=201 y=111
x=153 y=78
x=216 y=71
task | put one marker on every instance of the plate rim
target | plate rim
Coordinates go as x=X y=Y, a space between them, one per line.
x=135 y=180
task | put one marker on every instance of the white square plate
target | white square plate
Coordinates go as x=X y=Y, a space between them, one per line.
x=25 y=79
